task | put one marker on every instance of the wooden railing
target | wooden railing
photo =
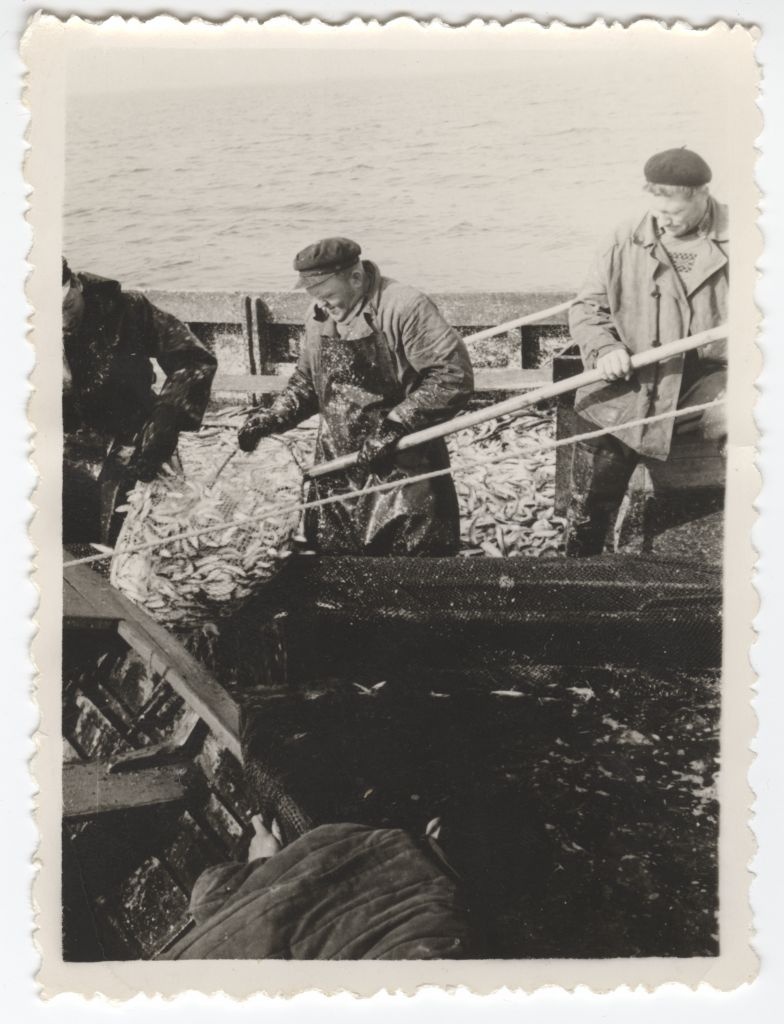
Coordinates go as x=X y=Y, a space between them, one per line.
x=256 y=336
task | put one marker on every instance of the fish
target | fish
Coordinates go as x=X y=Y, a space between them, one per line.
x=163 y=564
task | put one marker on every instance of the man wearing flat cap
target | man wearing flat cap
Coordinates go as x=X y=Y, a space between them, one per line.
x=655 y=280
x=378 y=361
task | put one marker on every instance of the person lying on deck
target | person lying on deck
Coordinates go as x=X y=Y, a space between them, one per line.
x=338 y=892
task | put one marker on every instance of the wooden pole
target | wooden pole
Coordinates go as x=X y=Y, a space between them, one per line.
x=522 y=321
x=520 y=402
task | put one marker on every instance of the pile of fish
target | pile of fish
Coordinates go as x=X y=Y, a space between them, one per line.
x=196 y=541
x=199 y=540
x=506 y=507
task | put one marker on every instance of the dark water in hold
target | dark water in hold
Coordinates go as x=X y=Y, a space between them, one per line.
x=492 y=172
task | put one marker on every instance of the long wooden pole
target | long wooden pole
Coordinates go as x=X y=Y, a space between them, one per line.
x=521 y=321
x=519 y=402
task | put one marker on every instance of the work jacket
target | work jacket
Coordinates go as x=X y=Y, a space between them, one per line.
x=109 y=403
x=340 y=892
x=397 y=355
x=634 y=299
x=110 y=385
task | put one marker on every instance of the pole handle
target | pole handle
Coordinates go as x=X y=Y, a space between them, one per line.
x=518 y=402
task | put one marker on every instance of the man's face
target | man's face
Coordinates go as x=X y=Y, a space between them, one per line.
x=338 y=294
x=73 y=308
x=679 y=214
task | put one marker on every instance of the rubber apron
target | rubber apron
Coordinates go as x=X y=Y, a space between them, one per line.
x=357 y=385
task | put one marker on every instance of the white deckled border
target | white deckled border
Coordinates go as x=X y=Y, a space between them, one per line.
x=45 y=47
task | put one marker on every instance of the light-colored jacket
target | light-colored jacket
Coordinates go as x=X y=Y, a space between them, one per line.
x=634 y=299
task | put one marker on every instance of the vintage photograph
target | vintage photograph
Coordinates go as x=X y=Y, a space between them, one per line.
x=397 y=376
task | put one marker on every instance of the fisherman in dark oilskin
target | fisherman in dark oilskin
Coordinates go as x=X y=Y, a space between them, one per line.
x=116 y=429
x=378 y=362
x=655 y=280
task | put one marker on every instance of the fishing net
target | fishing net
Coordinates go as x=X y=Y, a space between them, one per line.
x=195 y=542
x=506 y=508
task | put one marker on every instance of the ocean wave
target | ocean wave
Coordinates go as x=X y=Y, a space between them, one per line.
x=463 y=228
x=301 y=206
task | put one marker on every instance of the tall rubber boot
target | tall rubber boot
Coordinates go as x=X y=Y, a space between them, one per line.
x=600 y=475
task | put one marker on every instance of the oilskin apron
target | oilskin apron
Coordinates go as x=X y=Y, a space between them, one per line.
x=96 y=479
x=357 y=386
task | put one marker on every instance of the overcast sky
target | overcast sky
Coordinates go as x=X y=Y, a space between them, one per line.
x=106 y=63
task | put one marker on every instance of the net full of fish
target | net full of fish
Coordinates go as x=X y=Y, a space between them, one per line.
x=189 y=577
x=507 y=507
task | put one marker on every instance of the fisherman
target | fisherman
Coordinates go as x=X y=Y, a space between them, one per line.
x=117 y=430
x=656 y=280
x=338 y=892
x=378 y=361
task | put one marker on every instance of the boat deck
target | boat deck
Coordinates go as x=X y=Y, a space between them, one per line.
x=151 y=777
x=572 y=761
x=90 y=602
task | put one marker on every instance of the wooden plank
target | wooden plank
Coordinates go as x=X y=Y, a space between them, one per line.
x=201 y=307
x=263 y=324
x=566 y=425
x=510 y=379
x=249 y=336
x=82 y=613
x=90 y=789
x=166 y=655
x=464 y=309
x=484 y=380
x=92 y=591
x=258 y=384
x=198 y=688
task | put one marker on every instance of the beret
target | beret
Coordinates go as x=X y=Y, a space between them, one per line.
x=677 y=167
x=324 y=258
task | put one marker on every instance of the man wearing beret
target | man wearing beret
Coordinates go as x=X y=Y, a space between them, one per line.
x=378 y=361
x=117 y=430
x=655 y=280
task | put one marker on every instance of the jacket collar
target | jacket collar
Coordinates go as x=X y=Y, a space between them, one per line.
x=375 y=284
x=714 y=225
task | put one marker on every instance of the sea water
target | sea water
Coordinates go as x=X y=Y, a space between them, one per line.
x=466 y=171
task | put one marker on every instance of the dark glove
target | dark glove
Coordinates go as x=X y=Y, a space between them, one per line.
x=156 y=444
x=257 y=425
x=376 y=453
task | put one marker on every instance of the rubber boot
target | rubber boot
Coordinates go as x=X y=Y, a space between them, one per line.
x=600 y=475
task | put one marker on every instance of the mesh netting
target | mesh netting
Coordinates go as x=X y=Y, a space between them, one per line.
x=179 y=574
x=515 y=590
x=395 y=666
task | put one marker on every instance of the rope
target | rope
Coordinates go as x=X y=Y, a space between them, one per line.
x=389 y=485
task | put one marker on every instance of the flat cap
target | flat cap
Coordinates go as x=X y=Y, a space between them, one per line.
x=677 y=167
x=324 y=258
